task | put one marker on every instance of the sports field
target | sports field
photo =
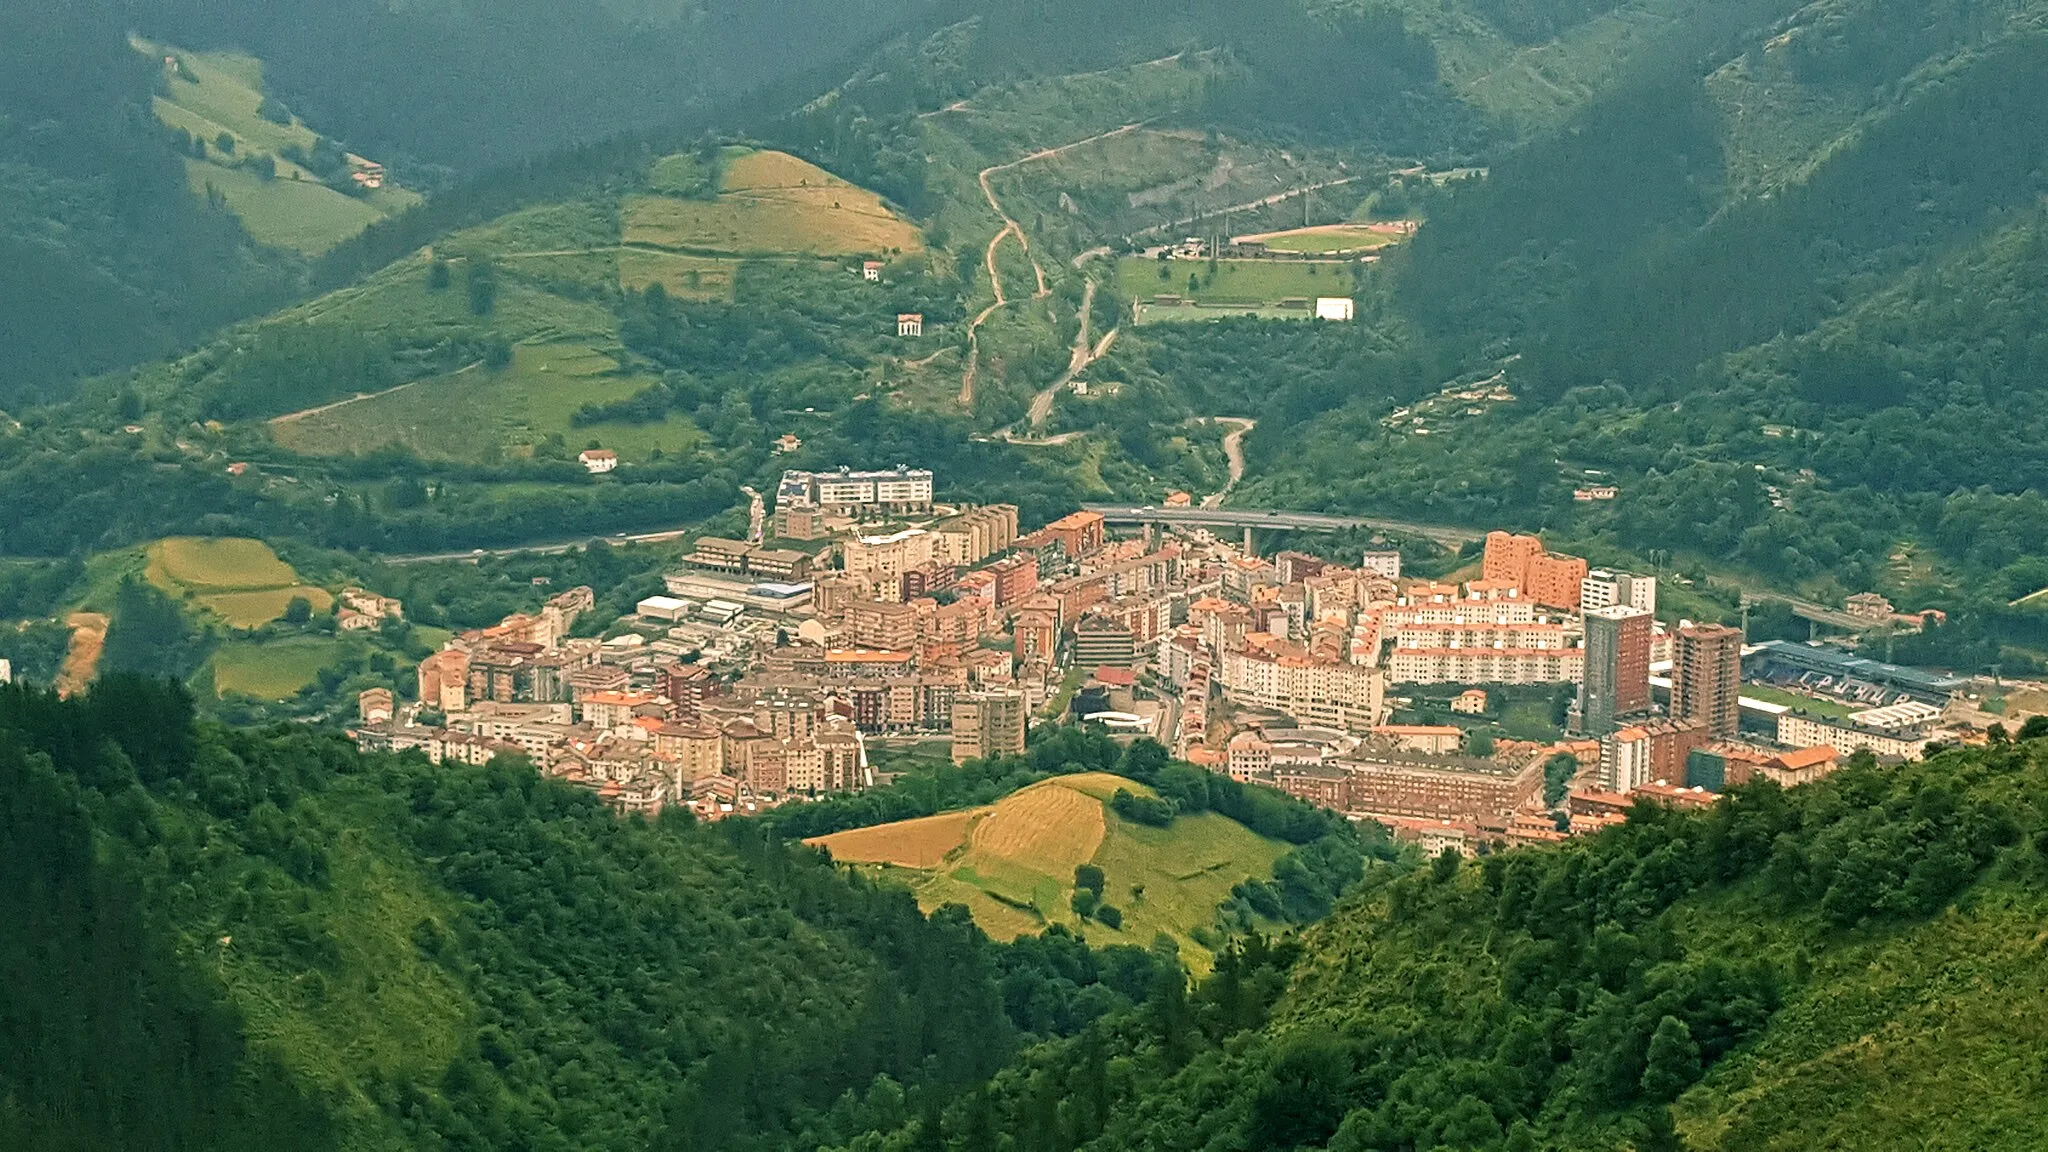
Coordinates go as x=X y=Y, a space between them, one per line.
x=1012 y=863
x=770 y=203
x=1235 y=283
x=241 y=581
x=1334 y=238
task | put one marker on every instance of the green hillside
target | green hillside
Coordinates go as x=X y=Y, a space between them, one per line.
x=228 y=939
x=1013 y=864
x=1850 y=964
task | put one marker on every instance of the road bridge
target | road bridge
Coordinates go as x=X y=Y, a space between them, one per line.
x=1275 y=518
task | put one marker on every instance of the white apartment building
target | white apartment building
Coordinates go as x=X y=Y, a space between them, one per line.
x=1904 y=743
x=1487 y=665
x=1486 y=635
x=888 y=557
x=1603 y=588
x=1317 y=692
x=847 y=491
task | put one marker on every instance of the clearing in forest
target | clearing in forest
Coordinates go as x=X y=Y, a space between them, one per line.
x=1012 y=863
x=769 y=204
x=241 y=581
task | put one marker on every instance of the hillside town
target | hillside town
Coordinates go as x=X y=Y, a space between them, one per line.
x=875 y=618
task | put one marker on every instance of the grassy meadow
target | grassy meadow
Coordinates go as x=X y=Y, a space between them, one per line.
x=215 y=94
x=275 y=670
x=1012 y=863
x=770 y=203
x=241 y=581
x=484 y=415
x=1248 y=283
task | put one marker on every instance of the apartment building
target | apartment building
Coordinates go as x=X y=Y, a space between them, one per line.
x=1604 y=588
x=1706 y=678
x=888 y=557
x=1617 y=676
x=987 y=725
x=1438 y=789
x=1312 y=691
x=896 y=491
x=974 y=535
x=1486 y=665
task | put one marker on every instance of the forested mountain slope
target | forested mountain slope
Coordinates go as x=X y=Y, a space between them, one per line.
x=105 y=257
x=224 y=939
x=1856 y=963
x=1800 y=249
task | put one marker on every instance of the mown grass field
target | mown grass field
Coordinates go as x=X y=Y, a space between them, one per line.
x=241 y=581
x=1012 y=863
x=302 y=215
x=1819 y=706
x=771 y=203
x=273 y=670
x=1236 y=282
x=485 y=415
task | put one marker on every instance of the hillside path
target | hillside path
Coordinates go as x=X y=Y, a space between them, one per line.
x=302 y=413
x=82 y=658
x=1266 y=202
x=1012 y=228
x=1233 y=452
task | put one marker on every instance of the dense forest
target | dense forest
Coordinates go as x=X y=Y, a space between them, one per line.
x=105 y=257
x=499 y=960
x=334 y=950
x=1662 y=985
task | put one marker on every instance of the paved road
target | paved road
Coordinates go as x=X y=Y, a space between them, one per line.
x=1808 y=610
x=543 y=548
x=757 y=516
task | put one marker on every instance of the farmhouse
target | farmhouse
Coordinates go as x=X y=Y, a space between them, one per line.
x=871 y=271
x=910 y=324
x=598 y=460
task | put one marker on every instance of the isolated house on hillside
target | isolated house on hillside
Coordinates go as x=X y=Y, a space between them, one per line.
x=910 y=324
x=871 y=271
x=598 y=460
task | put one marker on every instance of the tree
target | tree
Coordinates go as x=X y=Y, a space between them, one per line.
x=1673 y=1062
x=1479 y=743
x=298 y=610
x=1084 y=902
x=1110 y=915
x=225 y=143
x=483 y=286
x=1558 y=772
x=1445 y=866
x=1090 y=877
x=437 y=275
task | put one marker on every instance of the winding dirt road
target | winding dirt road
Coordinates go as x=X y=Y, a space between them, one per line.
x=1233 y=453
x=1012 y=228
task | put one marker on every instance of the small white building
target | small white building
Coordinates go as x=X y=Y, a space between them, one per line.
x=1335 y=308
x=871 y=271
x=910 y=324
x=666 y=609
x=598 y=460
x=6 y=672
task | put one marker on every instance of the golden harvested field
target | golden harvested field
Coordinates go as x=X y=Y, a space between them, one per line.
x=1049 y=826
x=1011 y=864
x=241 y=581
x=905 y=844
x=771 y=204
